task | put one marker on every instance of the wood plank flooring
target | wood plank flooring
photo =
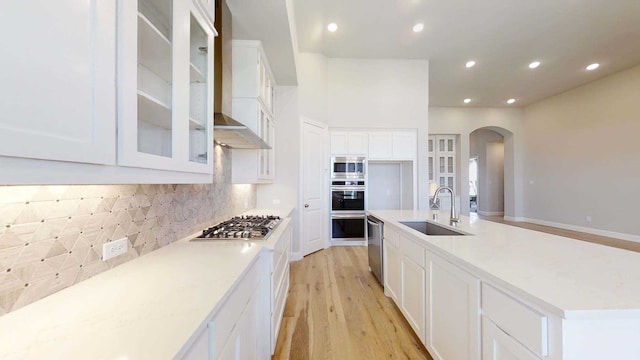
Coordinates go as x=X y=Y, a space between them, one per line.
x=602 y=240
x=337 y=310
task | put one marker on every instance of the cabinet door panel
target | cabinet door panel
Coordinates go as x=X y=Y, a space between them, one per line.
x=404 y=145
x=357 y=143
x=392 y=273
x=59 y=97
x=453 y=307
x=380 y=147
x=413 y=295
x=339 y=143
x=497 y=345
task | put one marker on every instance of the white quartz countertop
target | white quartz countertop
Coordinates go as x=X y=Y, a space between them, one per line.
x=147 y=308
x=567 y=277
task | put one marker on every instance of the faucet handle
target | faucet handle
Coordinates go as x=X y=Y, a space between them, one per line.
x=434 y=204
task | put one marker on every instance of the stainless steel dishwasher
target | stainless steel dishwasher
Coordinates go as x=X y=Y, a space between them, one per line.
x=375 y=236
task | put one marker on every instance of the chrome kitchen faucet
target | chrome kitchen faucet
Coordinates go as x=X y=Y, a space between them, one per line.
x=454 y=216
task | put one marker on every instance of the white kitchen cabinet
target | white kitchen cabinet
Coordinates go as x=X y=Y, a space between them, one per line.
x=279 y=282
x=252 y=76
x=380 y=145
x=498 y=345
x=453 y=311
x=413 y=285
x=253 y=104
x=404 y=145
x=58 y=105
x=393 y=145
x=392 y=265
x=349 y=143
x=208 y=8
x=235 y=332
x=200 y=348
x=165 y=80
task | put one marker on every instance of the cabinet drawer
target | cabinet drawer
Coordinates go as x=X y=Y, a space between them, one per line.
x=229 y=313
x=523 y=323
x=413 y=251
x=391 y=237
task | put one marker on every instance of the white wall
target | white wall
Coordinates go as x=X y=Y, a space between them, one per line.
x=582 y=153
x=284 y=191
x=488 y=147
x=506 y=121
x=312 y=86
x=382 y=94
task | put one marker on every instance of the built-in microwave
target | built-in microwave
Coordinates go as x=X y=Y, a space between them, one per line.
x=348 y=167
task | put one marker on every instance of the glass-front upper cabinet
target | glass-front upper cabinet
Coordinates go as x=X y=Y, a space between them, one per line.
x=165 y=98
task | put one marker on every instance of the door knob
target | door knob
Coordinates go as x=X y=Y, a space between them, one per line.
x=306 y=205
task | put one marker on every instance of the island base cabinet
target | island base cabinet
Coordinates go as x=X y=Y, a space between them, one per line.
x=498 y=345
x=453 y=311
x=413 y=285
x=392 y=273
x=200 y=348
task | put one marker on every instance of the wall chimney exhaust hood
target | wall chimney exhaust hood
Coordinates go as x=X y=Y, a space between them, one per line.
x=234 y=134
x=226 y=130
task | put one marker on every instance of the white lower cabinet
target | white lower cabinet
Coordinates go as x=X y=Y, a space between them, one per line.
x=200 y=348
x=279 y=283
x=236 y=329
x=498 y=345
x=413 y=285
x=453 y=311
x=392 y=266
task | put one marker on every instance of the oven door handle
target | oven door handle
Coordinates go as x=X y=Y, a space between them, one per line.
x=348 y=216
x=348 y=188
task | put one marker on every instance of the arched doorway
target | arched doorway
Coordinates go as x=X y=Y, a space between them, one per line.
x=492 y=148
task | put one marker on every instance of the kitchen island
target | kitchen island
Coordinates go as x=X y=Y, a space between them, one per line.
x=553 y=297
x=157 y=306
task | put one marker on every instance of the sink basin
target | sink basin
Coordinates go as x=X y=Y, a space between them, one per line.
x=428 y=228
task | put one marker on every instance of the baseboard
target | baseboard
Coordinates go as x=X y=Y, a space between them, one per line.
x=490 y=213
x=296 y=256
x=583 y=229
x=514 y=219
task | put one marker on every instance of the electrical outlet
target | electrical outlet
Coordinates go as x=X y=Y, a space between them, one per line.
x=114 y=248
x=276 y=201
x=588 y=218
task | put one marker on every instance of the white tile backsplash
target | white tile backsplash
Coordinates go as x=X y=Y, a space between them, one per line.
x=51 y=236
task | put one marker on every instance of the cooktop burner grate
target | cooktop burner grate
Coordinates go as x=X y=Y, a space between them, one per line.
x=246 y=227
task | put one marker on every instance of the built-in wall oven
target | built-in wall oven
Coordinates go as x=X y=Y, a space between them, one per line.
x=348 y=220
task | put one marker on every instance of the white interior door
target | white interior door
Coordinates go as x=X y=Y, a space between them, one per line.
x=313 y=187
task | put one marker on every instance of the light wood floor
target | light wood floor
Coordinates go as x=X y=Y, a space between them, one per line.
x=337 y=310
x=602 y=240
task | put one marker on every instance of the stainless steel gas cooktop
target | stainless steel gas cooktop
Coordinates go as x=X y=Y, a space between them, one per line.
x=246 y=227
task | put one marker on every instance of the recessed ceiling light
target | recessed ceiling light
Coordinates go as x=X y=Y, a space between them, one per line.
x=593 y=66
x=511 y=101
x=418 y=27
x=534 y=64
x=332 y=27
x=467 y=100
x=470 y=63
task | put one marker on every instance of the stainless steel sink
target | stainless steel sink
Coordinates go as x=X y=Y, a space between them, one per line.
x=428 y=228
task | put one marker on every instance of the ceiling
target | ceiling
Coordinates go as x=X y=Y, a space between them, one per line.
x=502 y=36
